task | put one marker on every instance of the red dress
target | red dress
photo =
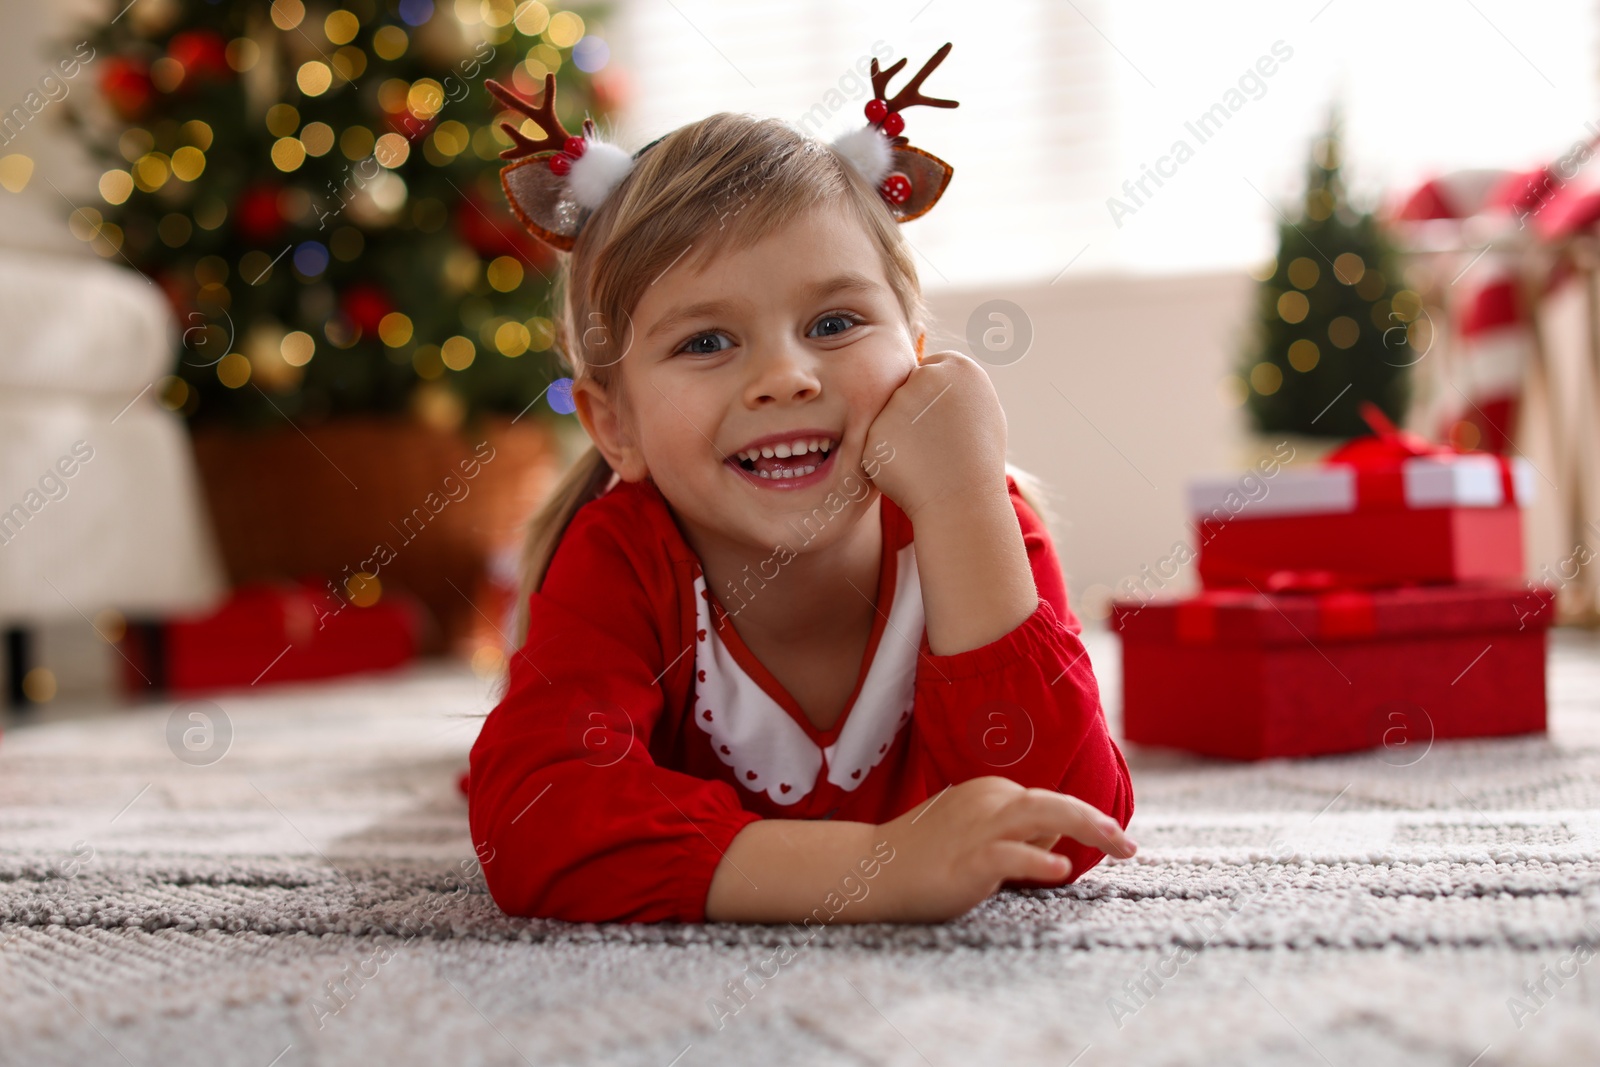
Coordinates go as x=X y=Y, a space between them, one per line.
x=637 y=735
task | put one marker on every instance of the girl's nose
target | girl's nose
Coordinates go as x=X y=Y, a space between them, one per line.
x=782 y=371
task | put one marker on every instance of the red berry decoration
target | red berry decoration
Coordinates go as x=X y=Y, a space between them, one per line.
x=560 y=163
x=573 y=147
x=876 y=109
x=893 y=124
x=896 y=188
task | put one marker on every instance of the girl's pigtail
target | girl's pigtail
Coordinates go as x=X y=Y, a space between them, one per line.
x=1033 y=493
x=584 y=481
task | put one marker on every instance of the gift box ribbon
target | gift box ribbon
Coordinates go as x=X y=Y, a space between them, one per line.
x=1379 y=461
x=1339 y=613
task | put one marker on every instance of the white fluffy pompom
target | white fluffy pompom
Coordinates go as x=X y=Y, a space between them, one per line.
x=868 y=151
x=598 y=171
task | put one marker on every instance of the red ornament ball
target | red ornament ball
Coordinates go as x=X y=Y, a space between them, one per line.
x=574 y=146
x=560 y=163
x=365 y=305
x=256 y=213
x=893 y=124
x=896 y=188
x=126 y=86
x=202 y=52
x=876 y=109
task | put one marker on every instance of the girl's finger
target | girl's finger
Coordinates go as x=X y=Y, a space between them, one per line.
x=1039 y=812
x=1017 y=859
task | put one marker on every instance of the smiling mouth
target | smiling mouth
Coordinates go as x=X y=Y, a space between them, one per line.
x=772 y=467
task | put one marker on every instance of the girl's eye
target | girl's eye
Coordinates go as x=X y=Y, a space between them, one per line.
x=693 y=346
x=837 y=317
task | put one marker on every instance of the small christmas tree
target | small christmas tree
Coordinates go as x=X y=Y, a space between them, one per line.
x=315 y=188
x=1335 y=324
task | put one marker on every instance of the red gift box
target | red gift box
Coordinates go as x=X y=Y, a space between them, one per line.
x=1247 y=675
x=267 y=632
x=1384 y=510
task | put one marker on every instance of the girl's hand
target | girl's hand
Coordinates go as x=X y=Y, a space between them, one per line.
x=952 y=851
x=940 y=436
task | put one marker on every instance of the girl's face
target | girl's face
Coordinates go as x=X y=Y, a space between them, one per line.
x=797 y=338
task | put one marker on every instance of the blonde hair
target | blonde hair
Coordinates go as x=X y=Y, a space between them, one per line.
x=723 y=182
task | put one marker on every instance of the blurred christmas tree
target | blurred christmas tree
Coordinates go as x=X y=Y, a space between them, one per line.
x=316 y=190
x=1334 y=326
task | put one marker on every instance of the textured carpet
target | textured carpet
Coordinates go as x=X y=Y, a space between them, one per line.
x=304 y=899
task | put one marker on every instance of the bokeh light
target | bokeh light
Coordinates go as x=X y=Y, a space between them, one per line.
x=1292 y=307
x=531 y=18
x=341 y=26
x=188 y=163
x=314 y=77
x=317 y=138
x=297 y=348
x=1303 y=272
x=505 y=274
x=115 y=186
x=415 y=12
x=1266 y=378
x=591 y=54
x=511 y=339
x=311 y=258
x=1303 y=355
x=197 y=133
x=390 y=42
x=233 y=370
x=394 y=329
x=282 y=119
x=287 y=14
x=565 y=29
x=1348 y=268
x=458 y=352
x=560 y=396
x=288 y=153
x=15 y=171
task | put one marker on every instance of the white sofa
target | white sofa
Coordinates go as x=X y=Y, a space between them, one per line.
x=99 y=502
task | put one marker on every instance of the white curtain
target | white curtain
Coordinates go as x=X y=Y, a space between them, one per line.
x=1062 y=101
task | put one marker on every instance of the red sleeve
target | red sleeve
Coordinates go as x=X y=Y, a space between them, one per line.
x=1025 y=706
x=571 y=817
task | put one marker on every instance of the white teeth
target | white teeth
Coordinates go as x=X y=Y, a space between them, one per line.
x=788 y=450
x=789 y=473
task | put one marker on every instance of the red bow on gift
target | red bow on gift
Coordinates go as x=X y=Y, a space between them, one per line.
x=1388 y=444
x=1379 y=460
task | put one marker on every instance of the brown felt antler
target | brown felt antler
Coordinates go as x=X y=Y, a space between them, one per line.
x=555 y=135
x=910 y=95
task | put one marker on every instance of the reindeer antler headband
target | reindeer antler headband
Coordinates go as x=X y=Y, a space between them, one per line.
x=559 y=179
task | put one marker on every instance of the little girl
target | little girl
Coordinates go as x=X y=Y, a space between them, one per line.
x=795 y=643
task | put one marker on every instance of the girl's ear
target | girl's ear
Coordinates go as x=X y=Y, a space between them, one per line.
x=609 y=431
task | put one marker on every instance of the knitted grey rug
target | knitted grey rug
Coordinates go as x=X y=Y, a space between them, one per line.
x=287 y=879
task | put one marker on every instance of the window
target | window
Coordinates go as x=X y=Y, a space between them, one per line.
x=1062 y=101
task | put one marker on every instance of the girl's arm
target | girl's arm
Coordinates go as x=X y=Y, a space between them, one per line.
x=933 y=863
x=1013 y=692
x=1025 y=704
x=570 y=816
x=976 y=583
